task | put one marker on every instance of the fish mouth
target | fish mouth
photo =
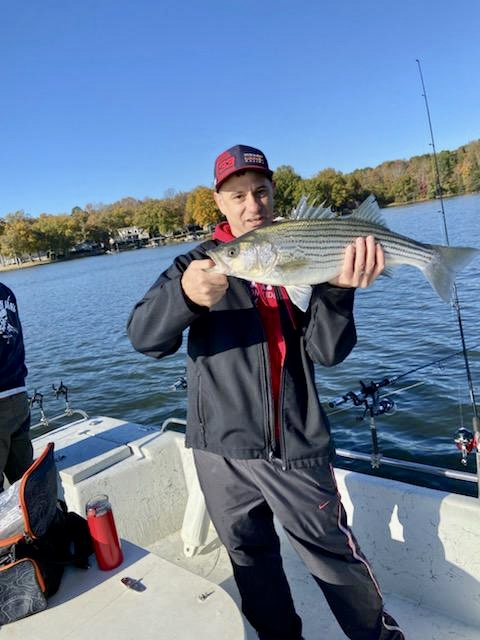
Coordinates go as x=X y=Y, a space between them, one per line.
x=218 y=267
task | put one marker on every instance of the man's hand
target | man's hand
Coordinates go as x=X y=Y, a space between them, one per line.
x=364 y=262
x=203 y=287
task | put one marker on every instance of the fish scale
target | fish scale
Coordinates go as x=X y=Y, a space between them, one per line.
x=332 y=238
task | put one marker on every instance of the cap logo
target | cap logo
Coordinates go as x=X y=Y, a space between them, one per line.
x=224 y=163
x=253 y=158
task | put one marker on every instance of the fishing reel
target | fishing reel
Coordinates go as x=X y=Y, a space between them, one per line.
x=466 y=441
x=369 y=398
x=180 y=383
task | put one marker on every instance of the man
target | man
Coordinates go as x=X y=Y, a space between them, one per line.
x=260 y=437
x=16 y=451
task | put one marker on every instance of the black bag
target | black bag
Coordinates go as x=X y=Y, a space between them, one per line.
x=48 y=537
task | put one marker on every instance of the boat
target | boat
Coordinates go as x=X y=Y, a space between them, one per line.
x=423 y=544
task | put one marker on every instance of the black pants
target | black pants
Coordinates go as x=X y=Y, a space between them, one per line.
x=16 y=451
x=242 y=496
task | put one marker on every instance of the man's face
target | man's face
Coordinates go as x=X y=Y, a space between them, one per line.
x=246 y=200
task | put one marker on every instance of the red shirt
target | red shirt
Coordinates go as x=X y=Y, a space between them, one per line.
x=267 y=305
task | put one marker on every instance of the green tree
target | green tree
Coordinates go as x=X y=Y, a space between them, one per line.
x=148 y=216
x=119 y=214
x=339 y=195
x=80 y=218
x=287 y=188
x=55 y=234
x=95 y=228
x=319 y=188
x=405 y=189
x=172 y=212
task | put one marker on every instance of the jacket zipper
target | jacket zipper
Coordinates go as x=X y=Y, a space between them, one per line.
x=281 y=391
x=283 y=444
x=200 y=412
x=269 y=424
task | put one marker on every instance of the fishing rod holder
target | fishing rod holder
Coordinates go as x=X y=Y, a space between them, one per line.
x=466 y=441
x=369 y=397
x=37 y=399
x=61 y=390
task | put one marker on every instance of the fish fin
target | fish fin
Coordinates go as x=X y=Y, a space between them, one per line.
x=300 y=295
x=369 y=211
x=304 y=211
x=445 y=264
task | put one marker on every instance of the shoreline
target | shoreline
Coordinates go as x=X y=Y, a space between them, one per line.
x=43 y=261
x=26 y=265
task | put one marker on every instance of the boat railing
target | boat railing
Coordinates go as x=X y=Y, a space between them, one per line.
x=46 y=422
x=179 y=424
x=452 y=474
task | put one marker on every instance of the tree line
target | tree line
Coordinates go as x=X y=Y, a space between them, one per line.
x=392 y=182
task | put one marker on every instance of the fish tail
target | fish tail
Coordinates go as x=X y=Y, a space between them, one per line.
x=444 y=266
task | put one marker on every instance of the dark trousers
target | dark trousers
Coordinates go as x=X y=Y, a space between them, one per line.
x=242 y=496
x=16 y=451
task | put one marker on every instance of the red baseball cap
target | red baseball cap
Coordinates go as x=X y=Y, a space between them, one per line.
x=239 y=158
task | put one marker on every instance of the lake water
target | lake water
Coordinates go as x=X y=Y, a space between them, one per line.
x=74 y=316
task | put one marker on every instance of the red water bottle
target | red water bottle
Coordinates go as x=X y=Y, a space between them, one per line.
x=104 y=533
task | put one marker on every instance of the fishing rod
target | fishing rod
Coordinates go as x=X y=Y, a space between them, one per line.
x=456 y=302
x=358 y=397
x=373 y=405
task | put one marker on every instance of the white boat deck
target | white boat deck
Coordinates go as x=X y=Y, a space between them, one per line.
x=95 y=605
x=418 y=621
x=424 y=546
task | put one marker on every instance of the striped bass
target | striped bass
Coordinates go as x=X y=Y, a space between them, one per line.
x=310 y=248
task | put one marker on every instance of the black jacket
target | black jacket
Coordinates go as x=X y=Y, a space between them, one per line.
x=12 y=352
x=230 y=407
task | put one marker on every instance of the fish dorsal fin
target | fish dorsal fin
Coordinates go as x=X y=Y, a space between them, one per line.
x=304 y=211
x=369 y=211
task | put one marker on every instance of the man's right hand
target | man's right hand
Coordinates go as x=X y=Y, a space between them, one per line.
x=202 y=287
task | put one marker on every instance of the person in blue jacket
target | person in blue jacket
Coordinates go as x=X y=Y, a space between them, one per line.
x=16 y=451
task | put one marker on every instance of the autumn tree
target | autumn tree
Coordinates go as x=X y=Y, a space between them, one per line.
x=200 y=207
x=17 y=238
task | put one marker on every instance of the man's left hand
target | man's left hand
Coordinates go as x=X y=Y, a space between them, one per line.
x=364 y=261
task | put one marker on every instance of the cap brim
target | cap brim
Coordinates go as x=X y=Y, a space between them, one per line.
x=267 y=172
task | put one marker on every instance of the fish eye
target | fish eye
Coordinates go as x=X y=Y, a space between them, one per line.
x=232 y=252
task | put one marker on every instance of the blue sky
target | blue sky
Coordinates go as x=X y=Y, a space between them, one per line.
x=103 y=99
